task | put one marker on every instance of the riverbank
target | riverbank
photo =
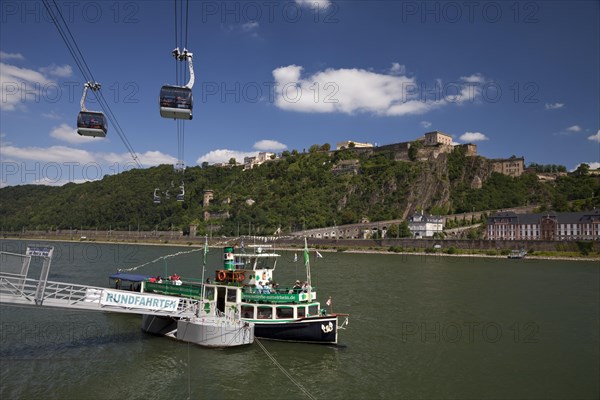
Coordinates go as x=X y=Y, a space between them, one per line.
x=297 y=244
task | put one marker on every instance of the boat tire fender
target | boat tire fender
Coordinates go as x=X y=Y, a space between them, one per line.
x=221 y=275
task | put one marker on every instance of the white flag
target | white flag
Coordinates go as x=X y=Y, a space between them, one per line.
x=319 y=255
x=295 y=257
x=328 y=301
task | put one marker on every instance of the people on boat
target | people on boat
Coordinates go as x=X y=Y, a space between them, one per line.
x=297 y=287
x=159 y=279
x=259 y=286
x=267 y=288
x=152 y=279
x=305 y=287
x=175 y=279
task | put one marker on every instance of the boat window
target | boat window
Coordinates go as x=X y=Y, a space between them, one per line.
x=232 y=295
x=247 y=311
x=265 y=312
x=285 y=312
x=313 y=309
x=209 y=293
x=301 y=312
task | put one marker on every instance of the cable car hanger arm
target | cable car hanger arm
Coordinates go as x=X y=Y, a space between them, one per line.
x=88 y=85
x=182 y=56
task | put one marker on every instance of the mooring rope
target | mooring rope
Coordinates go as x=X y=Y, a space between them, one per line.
x=158 y=259
x=290 y=377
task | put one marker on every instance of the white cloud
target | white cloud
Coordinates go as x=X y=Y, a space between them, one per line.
x=397 y=69
x=593 y=165
x=315 y=4
x=554 y=106
x=426 y=124
x=224 y=155
x=250 y=26
x=51 y=115
x=11 y=56
x=474 y=78
x=269 y=145
x=151 y=158
x=18 y=85
x=61 y=71
x=472 y=137
x=68 y=134
x=596 y=137
x=56 y=154
x=65 y=154
x=574 y=128
x=354 y=90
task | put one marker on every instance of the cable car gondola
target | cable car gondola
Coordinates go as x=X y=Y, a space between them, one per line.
x=181 y=196
x=176 y=101
x=156 y=197
x=90 y=123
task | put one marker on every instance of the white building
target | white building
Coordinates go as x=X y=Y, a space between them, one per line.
x=437 y=137
x=352 y=144
x=251 y=162
x=424 y=225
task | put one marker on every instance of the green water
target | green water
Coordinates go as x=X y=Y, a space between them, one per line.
x=420 y=328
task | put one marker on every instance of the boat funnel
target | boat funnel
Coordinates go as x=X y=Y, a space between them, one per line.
x=228 y=259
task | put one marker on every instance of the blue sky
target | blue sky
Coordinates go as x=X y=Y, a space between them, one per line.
x=516 y=78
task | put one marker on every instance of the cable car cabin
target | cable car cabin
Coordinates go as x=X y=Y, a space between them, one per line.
x=176 y=102
x=90 y=123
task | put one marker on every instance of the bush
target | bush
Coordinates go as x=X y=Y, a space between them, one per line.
x=451 y=250
x=585 y=248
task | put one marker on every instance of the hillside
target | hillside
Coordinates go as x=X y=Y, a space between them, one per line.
x=298 y=191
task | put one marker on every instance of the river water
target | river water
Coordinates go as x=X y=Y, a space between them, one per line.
x=420 y=328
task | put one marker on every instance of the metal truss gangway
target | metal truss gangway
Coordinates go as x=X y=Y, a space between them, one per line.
x=19 y=290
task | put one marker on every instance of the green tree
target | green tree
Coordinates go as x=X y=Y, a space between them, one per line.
x=403 y=229
x=582 y=170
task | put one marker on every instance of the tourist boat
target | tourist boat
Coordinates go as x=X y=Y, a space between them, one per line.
x=238 y=291
x=517 y=254
x=208 y=327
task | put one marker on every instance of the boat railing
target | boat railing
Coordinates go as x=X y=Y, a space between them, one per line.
x=170 y=288
x=280 y=296
x=278 y=290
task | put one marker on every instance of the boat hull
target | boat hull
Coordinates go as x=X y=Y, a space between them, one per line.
x=158 y=325
x=207 y=332
x=309 y=330
x=219 y=333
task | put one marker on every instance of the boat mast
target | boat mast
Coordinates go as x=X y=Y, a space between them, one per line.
x=204 y=264
x=307 y=264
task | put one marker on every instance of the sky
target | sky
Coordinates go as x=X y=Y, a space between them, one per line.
x=516 y=78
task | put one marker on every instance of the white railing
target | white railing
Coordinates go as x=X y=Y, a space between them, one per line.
x=16 y=289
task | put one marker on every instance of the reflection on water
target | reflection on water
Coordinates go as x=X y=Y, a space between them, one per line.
x=420 y=327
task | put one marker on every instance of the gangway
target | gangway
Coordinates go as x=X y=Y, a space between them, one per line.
x=17 y=289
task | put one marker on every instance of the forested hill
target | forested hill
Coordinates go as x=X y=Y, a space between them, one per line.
x=295 y=192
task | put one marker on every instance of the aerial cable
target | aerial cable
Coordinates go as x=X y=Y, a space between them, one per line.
x=83 y=67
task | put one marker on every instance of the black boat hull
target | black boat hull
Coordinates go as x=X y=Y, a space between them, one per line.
x=310 y=330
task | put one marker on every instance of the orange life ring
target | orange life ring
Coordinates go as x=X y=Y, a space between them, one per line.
x=241 y=277
x=221 y=275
